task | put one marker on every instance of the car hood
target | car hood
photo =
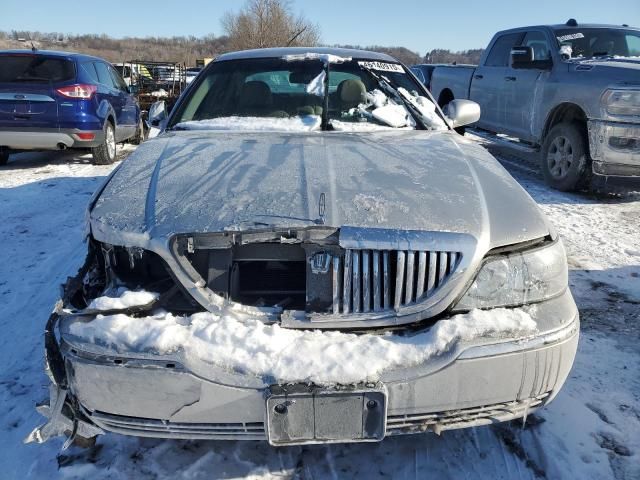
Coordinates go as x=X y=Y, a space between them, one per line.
x=205 y=181
x=624 y=69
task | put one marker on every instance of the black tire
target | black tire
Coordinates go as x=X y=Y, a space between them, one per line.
x=4 y=156
x=141 y=134
x=565 y=161
x=105 y=153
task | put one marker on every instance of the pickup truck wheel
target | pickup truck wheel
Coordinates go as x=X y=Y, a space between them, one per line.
x=565 y=160
x=105 y=153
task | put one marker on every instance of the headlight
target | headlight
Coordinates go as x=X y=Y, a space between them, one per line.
x=519 y=278
x=622 y=102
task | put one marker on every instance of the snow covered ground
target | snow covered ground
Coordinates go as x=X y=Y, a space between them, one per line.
x=589 y=431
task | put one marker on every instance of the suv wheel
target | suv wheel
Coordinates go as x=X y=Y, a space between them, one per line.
x=4 y=156
x=140 y=135
x=565 y=159
x=105 y=153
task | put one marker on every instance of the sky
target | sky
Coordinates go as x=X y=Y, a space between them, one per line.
x=419 y=25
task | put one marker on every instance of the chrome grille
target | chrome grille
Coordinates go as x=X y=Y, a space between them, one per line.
x=376 y=280
x=147 y=427
x=417 y=422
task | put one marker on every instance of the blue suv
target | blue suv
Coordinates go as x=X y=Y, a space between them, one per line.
x=57 y=100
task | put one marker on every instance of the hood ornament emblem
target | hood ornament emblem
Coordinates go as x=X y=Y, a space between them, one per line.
x=320 y=262
x=321 y=209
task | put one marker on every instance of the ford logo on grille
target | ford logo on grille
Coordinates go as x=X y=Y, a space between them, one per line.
x=19 y=97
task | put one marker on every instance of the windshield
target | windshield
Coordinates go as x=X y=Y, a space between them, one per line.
x=599 y=42
x=294 y=93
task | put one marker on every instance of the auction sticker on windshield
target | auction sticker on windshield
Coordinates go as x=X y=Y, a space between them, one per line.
x=573 y=36
x=384 y=67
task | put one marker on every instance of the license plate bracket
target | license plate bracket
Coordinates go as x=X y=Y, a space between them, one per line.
x=302 y=414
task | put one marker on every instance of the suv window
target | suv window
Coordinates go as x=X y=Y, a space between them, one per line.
x=501 y=50
x=35 y=69
x=539 y=43
x=117 y=80
x=91 y=71
x=104 y=77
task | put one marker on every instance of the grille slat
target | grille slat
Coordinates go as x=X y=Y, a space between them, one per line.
x=422 y=268
x=346 y=294
x=377 y=280
x=336 y=284
x=431 y=280
x=408 y=289
x=442 y=266
x=399 y=277
x=366 y=284
x=356 y=281
x=385 y=279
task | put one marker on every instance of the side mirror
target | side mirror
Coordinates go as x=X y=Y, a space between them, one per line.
x=524 y=58
x=133 y=89
x=158 y=114
x=462 y=112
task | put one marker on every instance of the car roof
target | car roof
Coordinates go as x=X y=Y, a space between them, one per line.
x=281 y=52
x=52 y=53
x=563 y=26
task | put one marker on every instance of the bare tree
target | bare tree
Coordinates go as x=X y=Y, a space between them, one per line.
x=268 y=23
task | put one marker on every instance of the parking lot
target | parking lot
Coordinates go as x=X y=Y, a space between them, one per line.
x=589 y=431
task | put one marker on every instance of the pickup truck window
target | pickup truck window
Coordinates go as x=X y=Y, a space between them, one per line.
x=501 y=50
x=539 y=43
x=599 y=42
x=633 y=44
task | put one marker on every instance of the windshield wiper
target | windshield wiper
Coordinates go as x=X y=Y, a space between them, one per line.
x=385 y=84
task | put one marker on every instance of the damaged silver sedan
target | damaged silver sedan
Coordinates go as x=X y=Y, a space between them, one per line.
x=309 y=253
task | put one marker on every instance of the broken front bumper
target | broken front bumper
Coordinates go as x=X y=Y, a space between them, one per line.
x=615 y=151
x=176 y=396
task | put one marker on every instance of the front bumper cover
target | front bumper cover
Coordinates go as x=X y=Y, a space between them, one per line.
x=169 y=397
x=615 y=151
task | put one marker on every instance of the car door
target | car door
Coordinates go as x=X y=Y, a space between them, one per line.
x=129 y=112
x=521 y=87
x=488 y=82
x=107 y=92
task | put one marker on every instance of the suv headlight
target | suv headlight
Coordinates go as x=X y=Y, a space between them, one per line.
x=518 y=278
x=622 y=102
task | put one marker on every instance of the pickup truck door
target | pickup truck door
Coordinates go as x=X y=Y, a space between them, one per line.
x=522 y=88
x=488 y=82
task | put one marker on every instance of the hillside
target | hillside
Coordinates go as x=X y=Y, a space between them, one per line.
x=187 y=48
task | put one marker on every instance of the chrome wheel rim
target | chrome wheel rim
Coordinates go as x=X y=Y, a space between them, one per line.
x=560 y=157
x=111 y=142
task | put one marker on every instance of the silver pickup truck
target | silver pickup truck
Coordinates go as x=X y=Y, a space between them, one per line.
x=571 y=92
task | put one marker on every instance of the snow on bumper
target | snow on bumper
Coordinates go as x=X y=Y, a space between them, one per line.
x=469 y=381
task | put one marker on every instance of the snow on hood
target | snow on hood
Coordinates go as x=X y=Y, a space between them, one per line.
x=306 y=123
x=122 y=298
x=189 y=182
x=254 y=348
